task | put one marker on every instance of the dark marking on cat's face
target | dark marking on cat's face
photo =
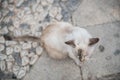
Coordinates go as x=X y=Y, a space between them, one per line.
x=117 y=52
x=101 y=48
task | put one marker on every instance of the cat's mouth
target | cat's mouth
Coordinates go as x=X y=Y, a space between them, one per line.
x=80 y=55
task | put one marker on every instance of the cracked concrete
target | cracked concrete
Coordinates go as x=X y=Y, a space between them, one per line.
x=102 y=19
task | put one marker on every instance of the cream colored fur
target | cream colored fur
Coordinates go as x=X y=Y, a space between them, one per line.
x=55 y=35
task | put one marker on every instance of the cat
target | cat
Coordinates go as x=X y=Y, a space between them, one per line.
x=62 y=39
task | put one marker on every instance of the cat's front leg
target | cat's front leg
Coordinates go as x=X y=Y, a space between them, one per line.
x=75 y=58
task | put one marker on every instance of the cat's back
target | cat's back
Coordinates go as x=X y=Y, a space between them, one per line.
x=57 y=28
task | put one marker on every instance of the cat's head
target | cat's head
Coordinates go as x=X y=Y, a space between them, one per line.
x=83 y=50
x=83 y=44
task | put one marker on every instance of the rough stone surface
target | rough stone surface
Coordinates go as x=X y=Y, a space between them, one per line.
x=30 y=17
x=53 y=70
x=91 y=12
x=104 y=62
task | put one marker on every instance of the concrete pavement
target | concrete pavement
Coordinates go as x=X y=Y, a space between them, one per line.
x=102 y=19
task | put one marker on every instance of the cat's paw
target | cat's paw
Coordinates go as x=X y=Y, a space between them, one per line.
x=79 y=64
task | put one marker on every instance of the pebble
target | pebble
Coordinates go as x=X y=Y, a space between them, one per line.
x=9 y=66
x=39 y=50
x=27 y=68
x=4 y=4
x=17 y=32
x=25 y=61
x=33 y=59
x=26 y=45
x=2 y=40
x=10 y=58
x=10 y=43
x=2 y=65
x=31 y=54
x=39 y=9
x=44 y=3
x=2 y=47
x=59 y=17
x=53 y=11
x=11 y=7
x=16 y=69
x=19 y=2
x=50 y=1
x=34 y=44
x=11 y=28
x=4 y=30
x=26 y=31
x=9 y=50
x=24 y=53
x=17 y=48
x=2 y=56
x=21 y=73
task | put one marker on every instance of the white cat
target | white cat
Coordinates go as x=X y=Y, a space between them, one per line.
x=62 y=39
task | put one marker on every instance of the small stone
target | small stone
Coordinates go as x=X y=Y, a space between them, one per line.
x=44 y=3
x=24 y=53
x=31 y=54
x=4 y=30
x=33 y=59
x=10 y=43
x=16 y=22
x=9 y=50
x=11 y=28
x=17 y=48
x=9 y=66
x=16 y=69
x=26 y=45
x=10 y=58
x=21 y=73
x=50 y=1
x=27 y=68
x=27 y=10
x=64 y=0
x=4 y=4
x=26 y=31
x=20 y=14
x=39 y=8
x=37 y=34
x=17 y=32
x=39 y=50
x=2 y=47
x=53 y=12
x=11 y=1
x=2 y=56
x=59 y=17
x=25 y=61
x=2 y=40
x=11 y=7
x=34 y=44
x=2 y=65
x=19 y=2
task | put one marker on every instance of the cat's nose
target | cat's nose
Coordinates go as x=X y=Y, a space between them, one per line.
x=82 y=59
x=79 y=51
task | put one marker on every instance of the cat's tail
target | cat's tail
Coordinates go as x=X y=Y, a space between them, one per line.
x=22 y=38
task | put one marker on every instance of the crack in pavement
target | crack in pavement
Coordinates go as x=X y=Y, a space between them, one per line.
x=81 y=72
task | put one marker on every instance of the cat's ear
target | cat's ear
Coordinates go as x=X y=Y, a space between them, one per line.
x=70 y=42
x=93 y=41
